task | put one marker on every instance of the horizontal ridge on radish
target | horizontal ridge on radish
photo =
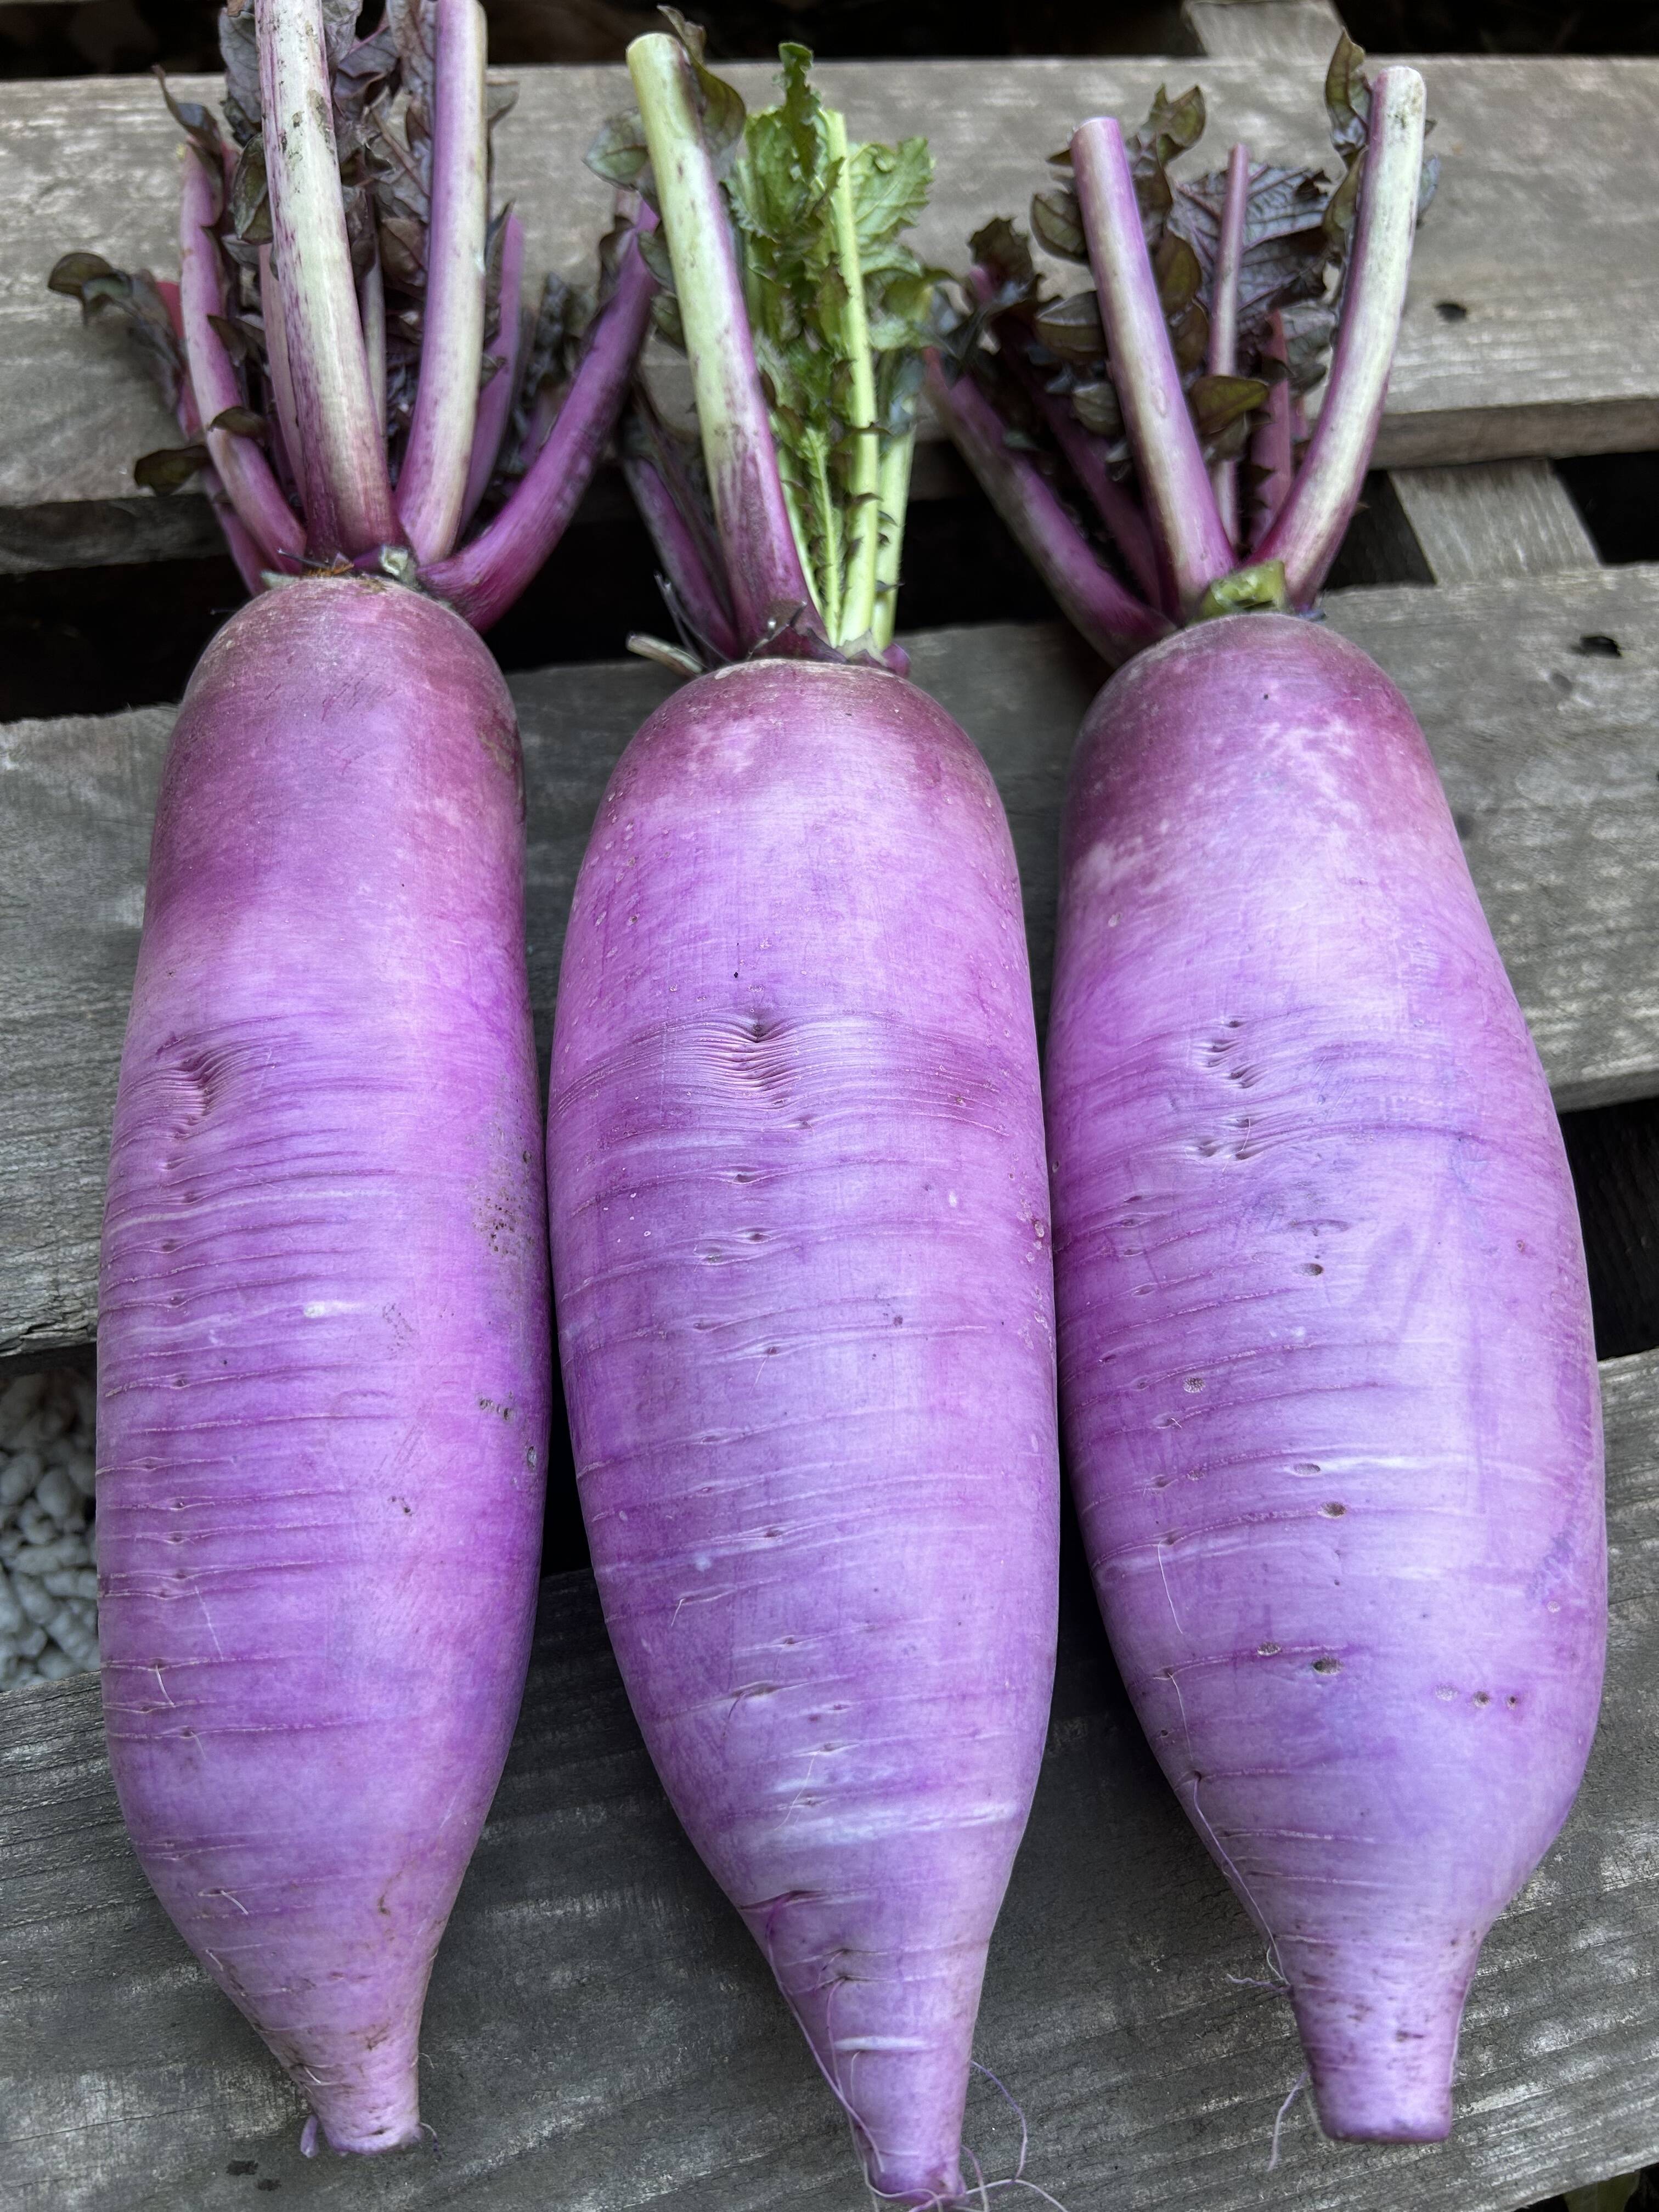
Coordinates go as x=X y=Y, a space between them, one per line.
x=799 y=1192
x=1328 y=1378
x=325 y=1351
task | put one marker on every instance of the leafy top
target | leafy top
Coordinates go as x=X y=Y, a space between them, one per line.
x=839 y=306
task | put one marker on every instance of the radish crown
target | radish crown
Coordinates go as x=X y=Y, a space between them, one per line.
x=345 y=348
x=805 y=317
x=1158 y=415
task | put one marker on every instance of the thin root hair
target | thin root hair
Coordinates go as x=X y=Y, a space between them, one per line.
x=1297 y=2088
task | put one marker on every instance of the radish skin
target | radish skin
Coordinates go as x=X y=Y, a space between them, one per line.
x=1326 y=1367
x=324 y=1370
x=801 y=1256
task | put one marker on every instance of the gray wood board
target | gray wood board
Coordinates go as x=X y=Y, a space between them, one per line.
x=1297 y=31
x=601 y=2034
x=1494 y=519
x=1545 y=229
x=1550 y=755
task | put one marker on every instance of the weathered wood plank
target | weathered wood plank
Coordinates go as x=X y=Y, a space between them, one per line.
x=602 y=2035
x=1551 y=756
x=1299 y=32
x=1546 y=226
x=1494 y=519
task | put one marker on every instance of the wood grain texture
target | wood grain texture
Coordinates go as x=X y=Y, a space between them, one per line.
x=1550 y=755
x=601 y=2034
x=1494 y=519
x=1296 y=31
x=1544 y=232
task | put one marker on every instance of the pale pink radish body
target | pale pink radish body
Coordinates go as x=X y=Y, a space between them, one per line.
x=1328 y=1377
x=801 y=1255
x=323 y=1374
x=801 y=1258
x=1327 y=1363
x=324 y=1336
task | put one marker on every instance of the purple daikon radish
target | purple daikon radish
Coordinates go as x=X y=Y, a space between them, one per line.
x=795 y=1158
x=1326 y=1371
x=324 y=1331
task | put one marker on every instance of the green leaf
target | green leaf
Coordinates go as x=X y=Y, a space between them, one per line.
x=889 y=189
x=1057 y=220
x=169 y=470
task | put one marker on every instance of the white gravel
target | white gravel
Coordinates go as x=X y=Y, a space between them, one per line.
x=48 y=1538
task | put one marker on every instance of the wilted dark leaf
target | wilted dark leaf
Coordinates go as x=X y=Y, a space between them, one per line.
x=1189 y=335
x=200 y=127
x=1003 y=252
x=169 y=470
x=665 y=320
x=1217 y=401
x=1310 y=327
x=1179 y=277
x=241 y=342
x=402 y=252
x=1057 y=220
x=1095 y=404
x=1428 y=184
x=339 y=29
x=72 y=273
x=1072 y=328
x=653 y=251
x=240 y=422
x=720 y=104
x=250 y=201
x=1342 y=207
x=1347 y=96
x=240 y=52
x=619 y=153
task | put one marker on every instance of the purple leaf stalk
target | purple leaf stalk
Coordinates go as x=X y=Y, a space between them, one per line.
x=348 y=357
x=1159 y=417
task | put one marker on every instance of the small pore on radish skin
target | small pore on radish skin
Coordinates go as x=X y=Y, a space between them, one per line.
x=1327 y=1666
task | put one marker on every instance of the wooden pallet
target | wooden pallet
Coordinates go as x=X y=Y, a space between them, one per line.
x=600 y=2032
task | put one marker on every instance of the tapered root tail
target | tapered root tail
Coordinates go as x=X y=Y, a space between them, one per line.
x=374 y=2102
x=1380 y=2049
